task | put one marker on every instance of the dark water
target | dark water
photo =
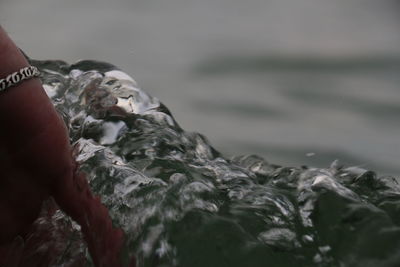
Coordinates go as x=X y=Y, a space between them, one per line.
x=183 y=203
x=284 y=79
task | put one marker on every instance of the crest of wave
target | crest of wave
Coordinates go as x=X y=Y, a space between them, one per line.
x=182 y=203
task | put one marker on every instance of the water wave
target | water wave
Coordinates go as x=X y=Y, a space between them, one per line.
x=182 y=203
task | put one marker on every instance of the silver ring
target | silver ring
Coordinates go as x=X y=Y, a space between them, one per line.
x=19 y=76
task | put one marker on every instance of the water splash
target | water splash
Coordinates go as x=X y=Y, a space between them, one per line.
x=182 y=203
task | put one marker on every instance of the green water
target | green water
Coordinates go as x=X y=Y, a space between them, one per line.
x=182 y=203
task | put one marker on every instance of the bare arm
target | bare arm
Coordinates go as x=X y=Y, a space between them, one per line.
x=36 y=162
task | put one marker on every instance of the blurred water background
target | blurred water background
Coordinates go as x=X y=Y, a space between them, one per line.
x=301 y=82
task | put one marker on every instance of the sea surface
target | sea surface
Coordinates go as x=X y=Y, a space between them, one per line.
x=181 y=202
x=303 y=82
